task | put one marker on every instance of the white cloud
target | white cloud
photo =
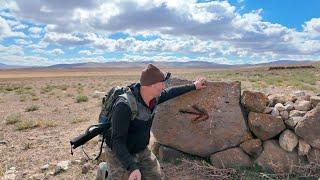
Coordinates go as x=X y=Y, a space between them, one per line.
x=312 y=27
x=11 y=50
x=20 y=26
x=214 y=29
x=22 y=42
x=35 y=30
x=5 y=30
x=56 y=52
x=91 y=52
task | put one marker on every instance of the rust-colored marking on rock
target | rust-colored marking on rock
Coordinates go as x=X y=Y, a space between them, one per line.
x=201 y=113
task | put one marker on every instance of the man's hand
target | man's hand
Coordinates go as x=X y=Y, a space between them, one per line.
x=135 y=175
x=200 y=83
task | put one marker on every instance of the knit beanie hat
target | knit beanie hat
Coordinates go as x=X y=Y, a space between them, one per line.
x=152 y=75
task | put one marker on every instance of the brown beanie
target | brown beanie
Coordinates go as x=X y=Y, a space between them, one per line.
x=151 y=75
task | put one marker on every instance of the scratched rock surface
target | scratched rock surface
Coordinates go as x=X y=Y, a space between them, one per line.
x=223 y=128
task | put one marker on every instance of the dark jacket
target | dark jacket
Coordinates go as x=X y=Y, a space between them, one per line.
x=132 y=136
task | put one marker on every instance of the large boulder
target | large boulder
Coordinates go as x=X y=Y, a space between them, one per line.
x=309 y=127
x=254 y=101
x=274 y=159
x=233 y=157
x=224 y=128
x=265 y=126
x=279 y=107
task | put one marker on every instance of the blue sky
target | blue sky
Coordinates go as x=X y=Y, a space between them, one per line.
x=46 y=32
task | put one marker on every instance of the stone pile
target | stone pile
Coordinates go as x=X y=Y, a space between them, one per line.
x=277 y=132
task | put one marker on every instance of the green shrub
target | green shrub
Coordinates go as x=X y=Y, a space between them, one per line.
x=23 y=125
x=13 y=118
x=81 y=98
x=47 y=88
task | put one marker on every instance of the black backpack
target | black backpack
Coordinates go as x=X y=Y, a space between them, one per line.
x=103 y=128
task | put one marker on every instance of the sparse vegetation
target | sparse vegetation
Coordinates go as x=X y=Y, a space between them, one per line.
x=63 y=87
x=13 y=118
x=27 y=145
x=32 y=108
x=78 y=120
x=27 y=124
x=81 y=98
x=48 y=123
x=47 y=88
x=23 y=98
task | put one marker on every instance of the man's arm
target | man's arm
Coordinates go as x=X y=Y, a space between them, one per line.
x=175 y=91
x=120 y=123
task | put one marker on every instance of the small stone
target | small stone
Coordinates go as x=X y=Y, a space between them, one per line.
x=288 y=140
x=102 y=172
x=284 y=115
x=273 y=99
x=275 y=112
x=315 y=100
x=295 y=113
x=302 y=105
x=289 y=106
x=10 y=174
x=279 y=107
x=252 y=147
x=61 y=166
x=254 y=101
x=85 y=168
x=45 y=167
x=303 y=148
x=293 y=121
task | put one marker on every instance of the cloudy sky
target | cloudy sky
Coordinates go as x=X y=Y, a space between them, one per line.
x=45 y=32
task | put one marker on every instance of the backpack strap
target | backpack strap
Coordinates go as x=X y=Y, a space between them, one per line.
x=129 y=97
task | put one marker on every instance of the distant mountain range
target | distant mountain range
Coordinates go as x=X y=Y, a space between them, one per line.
x=162 y=64
x=5 y=66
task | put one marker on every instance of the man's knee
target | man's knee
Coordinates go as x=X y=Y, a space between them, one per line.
x=113 y=167
x=150 y=166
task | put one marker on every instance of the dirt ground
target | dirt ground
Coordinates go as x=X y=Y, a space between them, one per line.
x=39 y=112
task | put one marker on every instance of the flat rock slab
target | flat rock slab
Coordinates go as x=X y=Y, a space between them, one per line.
x=224 y=128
